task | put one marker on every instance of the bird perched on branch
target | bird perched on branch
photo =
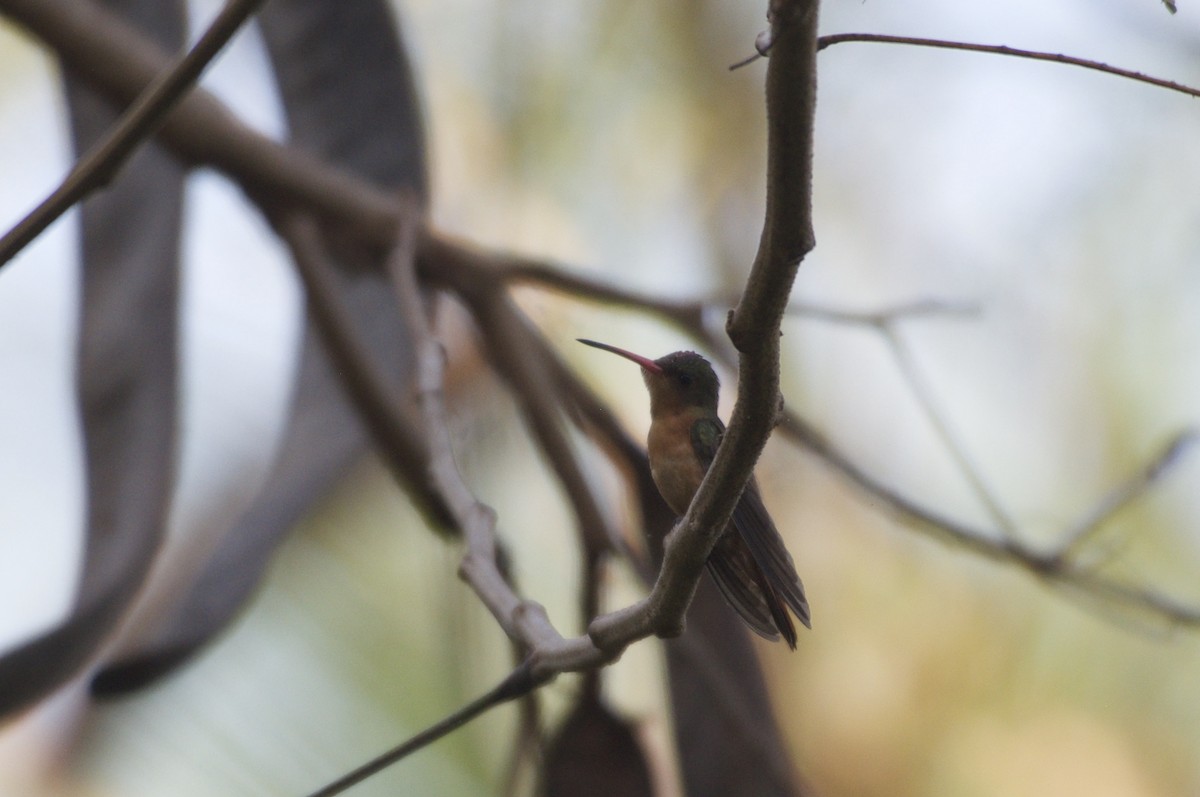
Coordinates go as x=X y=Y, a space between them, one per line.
x=749 y=564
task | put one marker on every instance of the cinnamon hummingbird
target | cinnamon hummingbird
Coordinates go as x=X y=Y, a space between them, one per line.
x=749 y=563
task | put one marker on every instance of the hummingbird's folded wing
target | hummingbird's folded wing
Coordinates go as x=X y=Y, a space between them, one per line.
x=740 y=590
x=758 y=531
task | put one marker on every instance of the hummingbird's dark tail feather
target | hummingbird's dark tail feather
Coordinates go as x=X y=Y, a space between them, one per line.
x=732 y=570
x=779 y=612
x=758 y=531
x=748 y=590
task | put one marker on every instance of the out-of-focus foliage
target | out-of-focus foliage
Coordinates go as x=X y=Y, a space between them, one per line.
x=611 y=136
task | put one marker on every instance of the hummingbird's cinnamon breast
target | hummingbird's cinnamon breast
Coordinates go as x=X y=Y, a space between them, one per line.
x=676 y=469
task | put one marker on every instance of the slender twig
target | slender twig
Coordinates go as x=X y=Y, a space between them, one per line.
x=524 y=622
x=691 y=314
x=512 y=347
x=996 y=49
x=1000 y=49
x=481 y=567
x=137 y=125
x=519 y=682
x=398 y=436
x=517 y=270
x=888 y=315
x=120 y=62
x=736 y=65
x=1121 y=495
x=1055 y=567
x=1128 y=607
x=507 y=339
x=937 y=418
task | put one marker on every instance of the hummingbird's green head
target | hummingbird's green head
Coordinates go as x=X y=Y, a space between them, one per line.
x=677 y=381
x=684 y=379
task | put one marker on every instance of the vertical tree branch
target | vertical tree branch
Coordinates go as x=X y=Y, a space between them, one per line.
x=754 y=326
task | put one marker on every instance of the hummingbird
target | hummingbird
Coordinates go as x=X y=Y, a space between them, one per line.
x=749 y=563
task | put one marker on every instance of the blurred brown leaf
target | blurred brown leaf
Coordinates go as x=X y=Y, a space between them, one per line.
x=725 y=729
x=127 y=377
x=595 y=754
x=349 y=97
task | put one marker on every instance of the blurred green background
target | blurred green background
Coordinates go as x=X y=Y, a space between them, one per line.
x=611 y=137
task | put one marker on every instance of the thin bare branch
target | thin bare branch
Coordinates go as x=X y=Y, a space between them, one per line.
x=525 y=622
x=736 y=65
x=517 y=270
x=398 y=437
x=120 y=62
x=139 y=122
x=1055 y=568
x=1000 y=49
x=886 y=316
x=507 y=339
x=912 y=513
x=475 y=520
x=1126 y=492
x=693 y=314
x=936 y=416
x=519 y=682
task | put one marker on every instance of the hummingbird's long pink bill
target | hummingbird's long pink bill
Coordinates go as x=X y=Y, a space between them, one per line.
x=645 y=362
